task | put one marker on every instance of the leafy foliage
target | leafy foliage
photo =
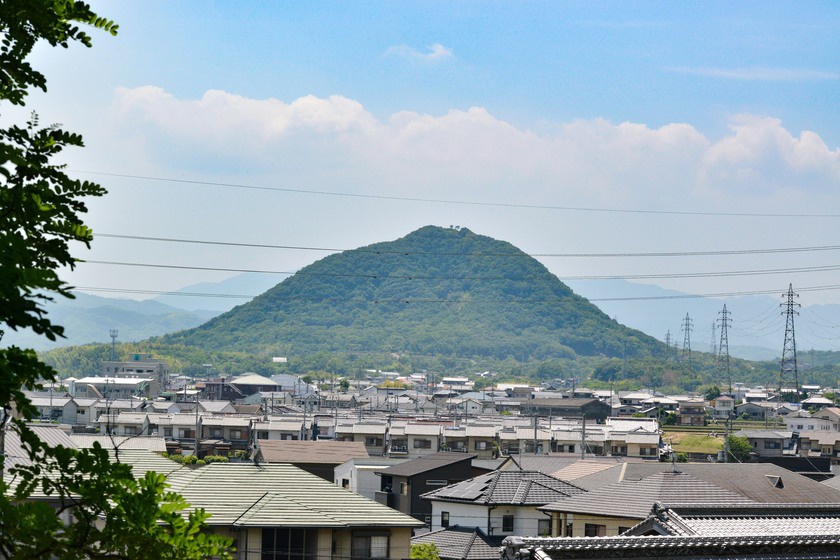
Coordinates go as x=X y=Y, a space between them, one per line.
x=110 y=513
x=424 y=551
x=739 y=448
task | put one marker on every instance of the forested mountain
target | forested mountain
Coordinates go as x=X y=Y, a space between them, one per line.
x=89 y=318
x=435 y=292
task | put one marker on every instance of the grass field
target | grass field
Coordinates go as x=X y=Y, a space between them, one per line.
x=683 y=442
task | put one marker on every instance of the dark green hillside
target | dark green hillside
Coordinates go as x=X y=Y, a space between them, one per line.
x=437 y=291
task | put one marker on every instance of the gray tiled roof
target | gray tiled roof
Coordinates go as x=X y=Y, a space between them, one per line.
x=634 y=499
x=764 y=547
x=751 y=480
x=507 y=487
x=723 y=521
x=462 y=543
x=279 y=495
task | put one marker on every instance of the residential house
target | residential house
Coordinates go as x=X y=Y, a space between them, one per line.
x=613 y=509
x=250 y=383
x=722 y=407
x=58 y=407
x=482 y=440
x=281 y=428
x=768 y=443
x=403 y=485
x=500 y=502
x=361 y=475
x=371 y=434
x=278 y=511
x=455 y=439
x=691 y=412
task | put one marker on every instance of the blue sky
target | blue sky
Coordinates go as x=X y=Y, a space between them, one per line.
x=712 y=107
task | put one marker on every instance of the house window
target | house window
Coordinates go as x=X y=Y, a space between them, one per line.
x=404 y=488
x=369 y=544
x=772 y=445
x=282 y=543
x=167 y=432
x=345 y=483
x=236 y=434
x=507 y=524
x=444 y=519
x=215 y=432
x=422 y=444
x=480 y=445
x=185 y=433
x=373 y=442
x=130 y=430
x=262 y=434
x=433 y=482
x=622 y=529
x=592 y=530
x=544 y=527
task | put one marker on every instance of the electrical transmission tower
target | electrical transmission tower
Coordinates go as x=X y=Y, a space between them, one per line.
x=723 y=354
x=788 y=372
x=114 y=334
x=668 y=344
x=687 y=325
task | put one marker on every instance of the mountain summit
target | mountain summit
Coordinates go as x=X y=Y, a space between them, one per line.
x=436 y=291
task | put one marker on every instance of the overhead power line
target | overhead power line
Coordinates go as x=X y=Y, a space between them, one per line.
x=815 y=248
x=457 y=301
x=442 y=277
x=453 y=201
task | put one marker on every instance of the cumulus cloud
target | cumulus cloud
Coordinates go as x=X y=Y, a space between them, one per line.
x=335 y=139
x=433 y=52
x=760 y=74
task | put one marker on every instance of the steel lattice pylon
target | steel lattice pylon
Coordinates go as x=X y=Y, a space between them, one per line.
x=788 y=371
x=723 y=352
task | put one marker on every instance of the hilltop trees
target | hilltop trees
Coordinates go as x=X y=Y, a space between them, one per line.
x=112 y=515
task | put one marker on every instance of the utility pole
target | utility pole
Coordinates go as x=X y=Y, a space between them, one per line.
x=713 y=346
x=726 y=424
x=197 y=426
x=583 y=437
x=535 y=434
x=723 y=354
x=788 y=362
x=687 y=325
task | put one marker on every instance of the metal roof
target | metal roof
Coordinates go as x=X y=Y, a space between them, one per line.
x=426 y=463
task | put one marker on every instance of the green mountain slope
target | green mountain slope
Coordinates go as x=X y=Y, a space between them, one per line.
x=436 y=291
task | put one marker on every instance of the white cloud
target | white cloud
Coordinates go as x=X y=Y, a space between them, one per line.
x=433 y=52
x=335 y=140
x=760 y=74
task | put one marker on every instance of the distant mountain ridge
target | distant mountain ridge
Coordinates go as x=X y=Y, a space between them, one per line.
x=436 y=291
x=89 y=318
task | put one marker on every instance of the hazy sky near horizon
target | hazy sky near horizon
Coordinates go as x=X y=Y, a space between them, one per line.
x=562 y=127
